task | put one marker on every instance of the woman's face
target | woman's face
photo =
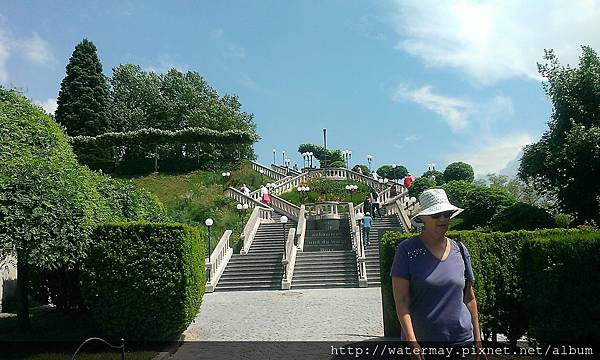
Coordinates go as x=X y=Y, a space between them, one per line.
x=437 y=223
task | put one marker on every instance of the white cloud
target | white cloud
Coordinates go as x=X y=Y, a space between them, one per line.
x=492 y=40
x=216 y=34
x=36 y=49
x=411 y=138
x=4 y=55
x=492 y=156
x=49 y=105
x=234 y=51
x=165 y=63
x=454 y=111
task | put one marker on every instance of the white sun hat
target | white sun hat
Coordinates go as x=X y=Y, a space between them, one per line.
x=434 y=201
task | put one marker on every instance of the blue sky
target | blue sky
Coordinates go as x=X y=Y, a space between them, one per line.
x=410 y=82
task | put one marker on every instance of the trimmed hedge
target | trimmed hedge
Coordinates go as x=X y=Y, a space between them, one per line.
x=144 y=281
x=522 y=216
x=562 y=287
x=503 y=277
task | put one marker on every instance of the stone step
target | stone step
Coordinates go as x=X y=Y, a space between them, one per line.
x=323 y=285
x=327 y=270
x=329 y=277
x=233 y=278
x=257 y=282
x=248 y=287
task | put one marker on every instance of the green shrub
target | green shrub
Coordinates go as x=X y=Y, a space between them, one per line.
x=562 y=284
x=563 y=220
x=458 y=192
x=419 y=185
x=522 y=216
x=459 y=171
x=439 y=176
x=337 y=164
x=144 y=281
x=498 y=261
x=482 y=203
x=328 y=190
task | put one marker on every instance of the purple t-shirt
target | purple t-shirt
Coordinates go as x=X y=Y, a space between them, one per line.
x=436 y=291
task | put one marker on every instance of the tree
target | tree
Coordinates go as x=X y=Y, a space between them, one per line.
x=325 y=156
x=437 y=175
x=419 y=185
x=459 y=171
x=47 y=200
x=363 y=168
x=388 y=171
x=84 y=97
x=522 y=216
x=566 y=160
x=481 y=203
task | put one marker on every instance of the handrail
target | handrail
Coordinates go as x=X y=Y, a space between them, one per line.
x=301 y=228
x=285 y=170
x=358 y=245
x=275 y=175
x=243 y=198
x=217 y=261
x=289 y=260
x=287 y=208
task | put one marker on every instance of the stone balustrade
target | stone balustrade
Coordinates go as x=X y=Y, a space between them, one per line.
x=359 y=247
x=268 y=172
x=217 y=261
x=289 y=260
x=301 y=228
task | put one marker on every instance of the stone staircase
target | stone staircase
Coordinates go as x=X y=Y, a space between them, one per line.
x=372 y=251
x=261 y=268
x=325 y=269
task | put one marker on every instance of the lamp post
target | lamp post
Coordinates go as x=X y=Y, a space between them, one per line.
x=369 y=159
x=303 y=190
x=310 y=156
x=209 y=222
x=274 y=151
x=347 y=154
x=394 y=171
x=283 y=157
x=225 y=175
x=304 y=158
x=351 y=189
x=262 y=173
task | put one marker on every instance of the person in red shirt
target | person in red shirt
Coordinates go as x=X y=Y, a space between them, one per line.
x=408 y=180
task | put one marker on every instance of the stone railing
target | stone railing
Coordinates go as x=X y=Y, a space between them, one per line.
x=268 y=172
x=289 y=260
x=258 y=215
x=217 y=261
x=330 y=209
x=301 y=228
x=285 y=170
x=359 y=248
x=285 y=207
x=398 y=208
x=239 y=196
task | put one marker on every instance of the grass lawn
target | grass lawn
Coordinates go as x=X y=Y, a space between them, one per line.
x=55 y=335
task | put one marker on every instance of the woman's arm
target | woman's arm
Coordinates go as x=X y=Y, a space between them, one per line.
x=471 y=302
x=401 y=289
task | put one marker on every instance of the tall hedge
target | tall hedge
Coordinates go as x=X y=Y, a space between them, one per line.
x=144 y=281
x=501 y=281
x=562 y=287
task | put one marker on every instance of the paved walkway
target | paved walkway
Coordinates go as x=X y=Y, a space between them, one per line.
x=345 y=315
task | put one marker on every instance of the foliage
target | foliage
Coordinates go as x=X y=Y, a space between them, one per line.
x=482 y=203
x=327 y=190
x=565 y=160
x=513 y=292
x=522 y=190
x=83 y=99
x=325 y=156
x=438 y=176
x=364 y=169
x=176 y=101
x=144 y=281
x=522 y=216
x=419 y=185
x=387 y=171
x=458 y=171
x=458 y=192
x=337 y=164
x=563 y=220
x=561 y=285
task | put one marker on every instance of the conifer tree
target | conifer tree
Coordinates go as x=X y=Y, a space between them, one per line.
x=84 y=96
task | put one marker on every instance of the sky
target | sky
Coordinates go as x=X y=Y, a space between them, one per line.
x=409 y=82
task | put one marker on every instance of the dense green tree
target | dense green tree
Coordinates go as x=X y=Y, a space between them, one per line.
x=363 y=168
x=84 y=98
x=47 y=200
x=458 y=191
x=481 y=203
x=566 y=160
x=388 y=171
x=438 y=176
x=522 y=216
x=459 y=171
x=419 y=185
x=325 y=156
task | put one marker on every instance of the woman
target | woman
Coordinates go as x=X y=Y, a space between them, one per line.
x=433 y=282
